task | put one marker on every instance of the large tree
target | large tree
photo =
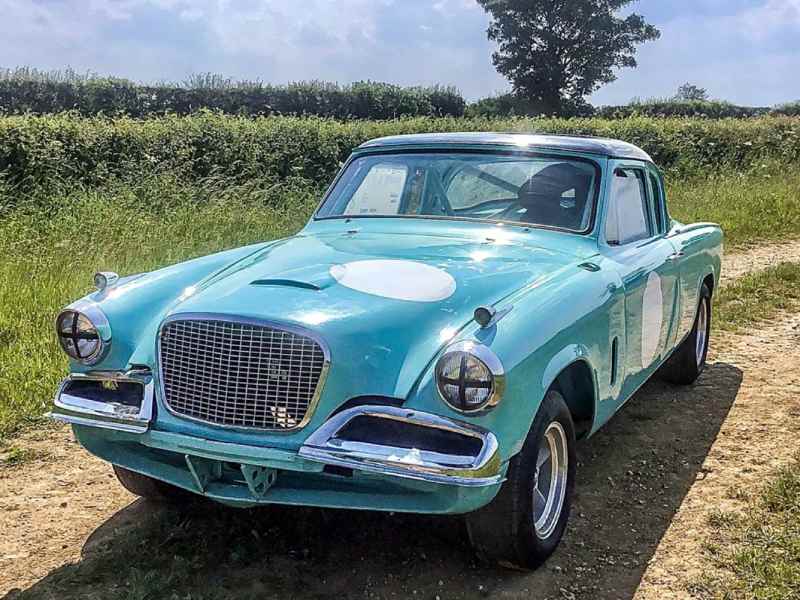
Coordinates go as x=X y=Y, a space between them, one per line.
x=557 y=52
x=689 y=92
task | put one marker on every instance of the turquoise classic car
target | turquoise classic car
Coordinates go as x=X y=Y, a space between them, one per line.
x=460 y=309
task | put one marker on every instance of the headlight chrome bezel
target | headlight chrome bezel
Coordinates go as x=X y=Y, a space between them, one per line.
x=100 y=327
x=488 y=359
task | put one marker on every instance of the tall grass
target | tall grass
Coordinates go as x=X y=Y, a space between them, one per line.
x=758 y=553
x=48 y=256
x=757 y=205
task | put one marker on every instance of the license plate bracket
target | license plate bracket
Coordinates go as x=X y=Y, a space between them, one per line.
x=259 y=479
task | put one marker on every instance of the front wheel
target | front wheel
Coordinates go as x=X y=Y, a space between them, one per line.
x=523 y=525
x=151 y=489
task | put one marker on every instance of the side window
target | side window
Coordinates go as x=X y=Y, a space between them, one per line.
x=628 y=214
x=658 y=203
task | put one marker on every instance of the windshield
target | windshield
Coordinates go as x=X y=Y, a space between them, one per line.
x=530 y=190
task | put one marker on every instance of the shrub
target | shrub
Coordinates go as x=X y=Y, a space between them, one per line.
x=790 y=109
x=30 y=91
x=511 y=105
x=53 y=153
x=711 y=109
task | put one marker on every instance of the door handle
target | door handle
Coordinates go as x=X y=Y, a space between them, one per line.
x=676 y=256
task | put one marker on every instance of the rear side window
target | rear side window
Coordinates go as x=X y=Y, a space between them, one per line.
x=628 y=215
x=658 y=203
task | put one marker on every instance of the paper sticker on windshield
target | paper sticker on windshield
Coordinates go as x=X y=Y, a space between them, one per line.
x=380 y=192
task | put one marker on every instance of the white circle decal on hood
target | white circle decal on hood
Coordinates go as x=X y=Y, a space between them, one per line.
x=396 y=279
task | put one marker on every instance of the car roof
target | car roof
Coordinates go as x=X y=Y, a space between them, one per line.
x=575 y=143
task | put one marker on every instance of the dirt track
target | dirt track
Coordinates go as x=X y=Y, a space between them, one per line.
x=646 y=485
x=758 y=258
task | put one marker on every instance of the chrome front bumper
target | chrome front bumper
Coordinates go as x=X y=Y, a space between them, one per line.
x=421 y=446
x=76 y=409
x=330 y=445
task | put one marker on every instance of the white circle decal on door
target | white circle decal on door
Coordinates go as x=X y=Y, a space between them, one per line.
x=396 y=279
x=652 y=319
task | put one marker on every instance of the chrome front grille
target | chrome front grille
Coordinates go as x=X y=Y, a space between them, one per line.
x=240 y=373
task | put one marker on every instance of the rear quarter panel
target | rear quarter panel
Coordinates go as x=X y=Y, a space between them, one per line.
x=702 y=248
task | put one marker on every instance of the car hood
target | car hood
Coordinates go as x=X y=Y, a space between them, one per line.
x=383 y=302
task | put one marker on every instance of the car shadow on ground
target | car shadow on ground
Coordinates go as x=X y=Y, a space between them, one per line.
x=632 y=478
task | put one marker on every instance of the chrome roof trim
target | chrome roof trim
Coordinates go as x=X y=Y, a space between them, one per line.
x=522 y=141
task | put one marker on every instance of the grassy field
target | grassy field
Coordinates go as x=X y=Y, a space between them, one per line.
x=758 y=553
x=48 y=257
x=760 y=204
x=758 y=296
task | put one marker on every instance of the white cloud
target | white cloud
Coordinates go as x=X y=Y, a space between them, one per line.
x=775 y=14
x=192 y=14
x=747 y=57
x=271 y=27
x=455 y=7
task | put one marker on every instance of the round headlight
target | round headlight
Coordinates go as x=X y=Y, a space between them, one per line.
x=470 y=377
x=79 y=336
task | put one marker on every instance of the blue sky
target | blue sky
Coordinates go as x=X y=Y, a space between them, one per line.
x=746 y=51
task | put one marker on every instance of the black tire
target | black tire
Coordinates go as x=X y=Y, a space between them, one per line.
x=687 y=362
x=504 y=531
x=151 y=489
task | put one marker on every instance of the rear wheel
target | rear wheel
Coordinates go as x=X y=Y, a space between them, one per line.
x=689 y=359
x=152 y=489
x=523 y=525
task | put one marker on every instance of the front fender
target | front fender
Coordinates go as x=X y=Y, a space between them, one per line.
x=540 y=337
x=135 y=307
x=569 y=355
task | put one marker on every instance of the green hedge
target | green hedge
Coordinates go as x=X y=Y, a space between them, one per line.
x=708 y=109
x=110 y=96
x=790 y=109
x=46 y=153
x=511 y=105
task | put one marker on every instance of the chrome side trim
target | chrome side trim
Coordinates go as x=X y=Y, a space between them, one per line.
x=483 y=469
x=82 y=411
x=296 y=329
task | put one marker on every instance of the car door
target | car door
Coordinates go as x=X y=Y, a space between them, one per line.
x=634 y=239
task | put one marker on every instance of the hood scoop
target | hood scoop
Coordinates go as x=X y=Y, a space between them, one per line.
x=303 y=285
x=314 y=278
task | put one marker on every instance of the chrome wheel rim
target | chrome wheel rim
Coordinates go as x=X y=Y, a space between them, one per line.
x=550 y=480
x=702 y=332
